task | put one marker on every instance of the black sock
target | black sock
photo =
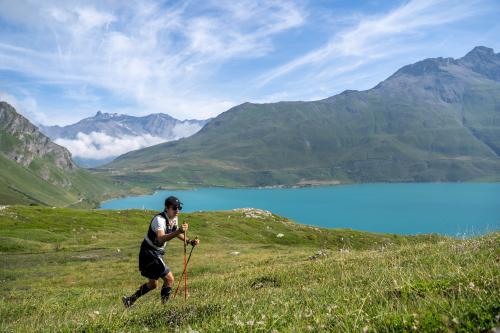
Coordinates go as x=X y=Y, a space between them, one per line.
x=143 y=290
x=165 y=293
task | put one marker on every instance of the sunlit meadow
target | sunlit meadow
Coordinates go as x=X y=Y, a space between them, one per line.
x=66 y=270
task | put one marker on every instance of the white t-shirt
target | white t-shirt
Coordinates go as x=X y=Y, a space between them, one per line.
x=160 y=223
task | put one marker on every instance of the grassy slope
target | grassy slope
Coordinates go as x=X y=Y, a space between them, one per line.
x=66 y=269
x=87 y=188
x=19 y=185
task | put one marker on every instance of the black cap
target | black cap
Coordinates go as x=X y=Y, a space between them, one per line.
x=172 y=201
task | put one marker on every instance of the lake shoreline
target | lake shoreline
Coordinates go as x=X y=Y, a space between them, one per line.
x=402 y=208
x=304 y=184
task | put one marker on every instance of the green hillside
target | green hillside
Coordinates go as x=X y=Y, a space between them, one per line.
x=20 y=185
x=66 y=269
x=436 y=120
x=37 y=171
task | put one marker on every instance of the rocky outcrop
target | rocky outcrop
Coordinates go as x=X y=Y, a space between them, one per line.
x=23 y=143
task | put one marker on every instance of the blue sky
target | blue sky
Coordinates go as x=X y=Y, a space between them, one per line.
x=61 y=61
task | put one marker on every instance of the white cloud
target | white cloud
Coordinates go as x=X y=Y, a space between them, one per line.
x=156 y=56
x=185 y=129
x=375 y=37
x=150 y=56
x=100 y=146
x=27 y=106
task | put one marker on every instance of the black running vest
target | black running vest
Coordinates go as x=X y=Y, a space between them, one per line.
x=152 y=234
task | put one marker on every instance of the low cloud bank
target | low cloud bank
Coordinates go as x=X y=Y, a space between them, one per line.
x=98 y=145
x=185 y=129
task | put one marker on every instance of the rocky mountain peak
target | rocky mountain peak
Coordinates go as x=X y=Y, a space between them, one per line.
x=484 y=61
x=424 y=67
x=479 y=53
x=104 y=115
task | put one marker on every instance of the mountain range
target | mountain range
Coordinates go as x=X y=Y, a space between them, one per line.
x=99 y=139
x=434 y=120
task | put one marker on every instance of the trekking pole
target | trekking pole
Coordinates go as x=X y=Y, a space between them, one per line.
x=185 y=268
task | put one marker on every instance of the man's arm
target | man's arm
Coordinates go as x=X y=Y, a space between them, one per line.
x=162 y=237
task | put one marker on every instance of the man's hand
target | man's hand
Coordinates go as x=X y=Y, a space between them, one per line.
x=183 y=228
x=194 y=242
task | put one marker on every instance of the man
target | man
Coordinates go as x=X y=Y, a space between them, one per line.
x=162 y=228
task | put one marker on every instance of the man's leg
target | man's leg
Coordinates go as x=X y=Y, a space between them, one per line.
x=143 y=290
x=168 y=283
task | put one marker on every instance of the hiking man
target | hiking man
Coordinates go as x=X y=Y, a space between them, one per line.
x=162 y=228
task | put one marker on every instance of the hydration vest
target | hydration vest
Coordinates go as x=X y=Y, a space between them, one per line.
x=152 y=234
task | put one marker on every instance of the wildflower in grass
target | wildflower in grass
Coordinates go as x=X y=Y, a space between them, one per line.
x=94 y=314
x=472 y=285
x=190 y=330
x=455 y=320
x=365 y=329
x=250 y=322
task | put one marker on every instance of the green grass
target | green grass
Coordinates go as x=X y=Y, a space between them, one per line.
x=75 y=188
x=66 y=269
x=22 y=185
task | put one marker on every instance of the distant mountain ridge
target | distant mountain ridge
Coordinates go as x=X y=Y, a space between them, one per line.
x=434 y=120
x=150 y=129
x=114 y=124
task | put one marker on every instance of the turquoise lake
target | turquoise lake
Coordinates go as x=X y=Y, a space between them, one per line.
x=455 y=209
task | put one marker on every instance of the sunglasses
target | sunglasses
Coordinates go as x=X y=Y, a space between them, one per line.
x=176 y=207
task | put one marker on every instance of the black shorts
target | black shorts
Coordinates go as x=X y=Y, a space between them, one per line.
x=151 y=262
